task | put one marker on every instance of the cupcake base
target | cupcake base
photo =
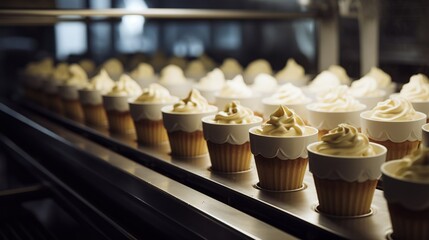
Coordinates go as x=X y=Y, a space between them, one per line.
x=184 y=144
x=150 y=132
x=73 y=110
x=280 y=175
x=95 y=115
x=228 y=157
x=408 y=224
x=341 y=198
x=398 y=150
x=120 y=122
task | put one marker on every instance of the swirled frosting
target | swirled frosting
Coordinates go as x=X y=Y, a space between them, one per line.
x=394 y=109
x=414 y=167
x=337 y=99
x=101 y=82
x=234 y=113
x=345 y=140
x=87 y=65
x=323 y=82
x=383 y=79
x=288 y=94
x=78 y=78
x=125 y=87
x=417 y=90
x=264 y=83
x=365 y=87
x=143 y=70
x=283 y=122
x=235 y=88
x=193 y=103
x=291 y=72
x=214 y=80
x=155 y=93
x=256 y=67
x=41 y=69
x=172 y=75
x=231 y=68
x=195 y=69
x=113 y=67
x=61 y=73
x=341 y=73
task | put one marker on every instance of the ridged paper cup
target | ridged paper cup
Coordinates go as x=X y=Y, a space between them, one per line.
x=118 y=114
x=93 y=109
x=71 y=104
x=425 y=135
x=408 y=204
x=345 y=185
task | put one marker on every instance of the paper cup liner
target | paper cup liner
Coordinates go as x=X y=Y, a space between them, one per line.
x=185 y=144
x=280 y=175
x=341 y=198
x=73 y=110
x=409 y=224
x=95 y=115
x=228 y=157
x=55 y=104
x=398 y=150
x=120 y=122
x=150 y=132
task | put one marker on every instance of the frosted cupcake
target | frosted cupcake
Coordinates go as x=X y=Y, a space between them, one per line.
x=321 y=84
x=195 y=70
x=264 y=85
x=406 y=189
x=227 y=136
x=184 y=127
x=384 y=80
x=289 y=96
x=147 y=116
x=279 y=148
x=211 y=84
x=92 y=101
x=341 y=73
x=114 y=68
x=334 y=107
x=69 y=93
x=366 y=91
x=34 y=75
x=116 y=105
x=59 y=77
x=143 y=74
x=231 y=68
x=292 y=73
x=345 y=168
x=255 y=68
x=174 y=80
x=394 y=124
x=87 y=65
x=236 y=89
x=417 y=92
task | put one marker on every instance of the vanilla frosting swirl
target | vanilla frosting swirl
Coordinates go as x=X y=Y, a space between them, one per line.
x=341 y=73
x=417 y=90
x=214 y=80
x=113 y=67
x=126 y=87
x=101 y=82
x=195 y=69
x=231 y=68
x=155 y=93
x=345 y=140
x=292 y=71
x=394 y=109
x=41 y=69
x=288 y=94
x=383 y=79
x=234 y=113
x=61 y=73
x=415 y=167
x=235 y=88
x=78 y=78
x=193 y=103
x=171 y=75
x=143 y=70
x=264 y=83
x=365 y=87
x=338 y=99
x=323 y=82
x=283 y=122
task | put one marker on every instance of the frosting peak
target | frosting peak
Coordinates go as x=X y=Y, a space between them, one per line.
x=214 y=80
x=283 y=122
x=338 y=99
x=291 y=72
x=417 y=90
x=101 y=82
x=394 y=109
x=171 y=75
x=195 y=69
x=341 y=73
x=415 y=167
x=155 y=93
x=234 y=113
x=78 y=76
x=126 y=87
x=235 y=88
x=365 y=87
x=383 y=79
x=193 y=103
x=143 y=70
x=231 y=68
x=288 y=94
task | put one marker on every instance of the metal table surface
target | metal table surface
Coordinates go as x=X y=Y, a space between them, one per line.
x=293 y=212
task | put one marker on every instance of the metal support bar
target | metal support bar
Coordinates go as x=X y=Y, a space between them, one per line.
x=368 y=16
x=328 y=36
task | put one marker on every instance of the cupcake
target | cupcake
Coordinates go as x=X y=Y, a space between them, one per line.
x=236 y=89
x=366 y=91
x=147 y=116
x=292 y=73
x=143 y=74
x=417 y=92
x=34 y=75
x=174 y=80
x=116 y=105
x=211 y=84
x=345 y=168
x=69 y=93
x=59 y=76
x=114 y=68
x=255 y=68
x=321 y=84
x=394 y=124
x=289 y=96
x=264 y=85
x=227 y=136
x=91 y=99
x=406 y=189
x=231 y=68
x=341 y=73
x=334 y=107
x=87 y=65
x=279 y=148
x=195 y=70
x=384 y=80
x=184 y=127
